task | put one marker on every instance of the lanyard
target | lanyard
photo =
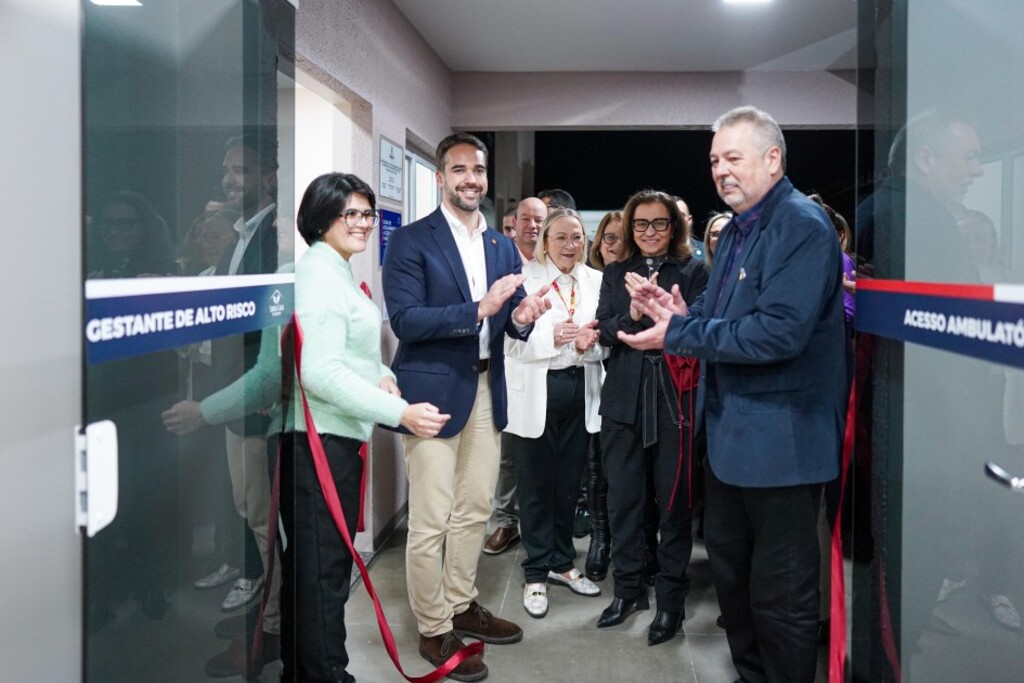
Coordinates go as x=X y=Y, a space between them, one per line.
x=571 y=306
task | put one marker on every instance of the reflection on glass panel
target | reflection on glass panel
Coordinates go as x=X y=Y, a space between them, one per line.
x=951 y=578
x=182 y=177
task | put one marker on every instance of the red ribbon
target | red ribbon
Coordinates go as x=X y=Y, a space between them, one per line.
x=330 y=493
x=837 y=602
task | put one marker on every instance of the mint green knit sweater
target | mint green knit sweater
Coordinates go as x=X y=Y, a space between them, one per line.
x=341 y=360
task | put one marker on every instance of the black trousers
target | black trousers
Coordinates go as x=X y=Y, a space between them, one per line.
x=316 y=564
x=548 y=469
x=763 y=547
x=625 y=463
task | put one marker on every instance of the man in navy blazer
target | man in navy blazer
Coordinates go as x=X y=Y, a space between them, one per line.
x=453 y=289
x=769 y=328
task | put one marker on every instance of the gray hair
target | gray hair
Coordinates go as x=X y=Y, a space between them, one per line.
x=766 y=127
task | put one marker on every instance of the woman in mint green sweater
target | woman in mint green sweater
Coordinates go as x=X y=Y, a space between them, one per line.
x=349 y=390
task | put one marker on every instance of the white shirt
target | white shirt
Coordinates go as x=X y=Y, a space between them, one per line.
x=246 y=229
x=560 y=302
x=471 y=249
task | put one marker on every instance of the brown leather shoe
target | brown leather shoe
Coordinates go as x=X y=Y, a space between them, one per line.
x=477 y=622
x=439 y=649
x=503 y=538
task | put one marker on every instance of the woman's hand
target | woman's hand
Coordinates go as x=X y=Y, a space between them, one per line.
x=424 y=420
x=633 y=282
x=587 y=337
x=388 y=385
x=183 y=418
x=565 y=332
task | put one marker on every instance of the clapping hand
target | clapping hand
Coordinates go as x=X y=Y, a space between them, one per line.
x=587 y=336
x=532 y=307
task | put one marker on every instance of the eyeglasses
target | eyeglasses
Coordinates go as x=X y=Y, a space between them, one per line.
x=353 y=217
x=610 y=238
x=659 y=224
x=562 y=240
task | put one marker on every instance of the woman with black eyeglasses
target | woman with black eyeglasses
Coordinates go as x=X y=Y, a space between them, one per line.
x=647 y=415
x=349 y=390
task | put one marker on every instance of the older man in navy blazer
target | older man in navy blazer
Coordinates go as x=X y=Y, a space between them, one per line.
x=453 y=288
x=769 y=328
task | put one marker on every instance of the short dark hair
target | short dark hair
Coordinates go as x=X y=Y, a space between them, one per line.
x=325 y=199
x=457 y=139
x=679 y=243
x=263 y=144
x=559 y=199
x=510 y=211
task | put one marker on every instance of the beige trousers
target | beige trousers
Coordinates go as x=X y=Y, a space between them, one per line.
x=451 y=482
x=250 y=486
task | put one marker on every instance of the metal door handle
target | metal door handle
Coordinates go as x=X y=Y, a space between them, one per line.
x=1003 y=477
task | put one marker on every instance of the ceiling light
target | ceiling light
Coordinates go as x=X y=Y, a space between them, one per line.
x=117 y=3
x=746 y=2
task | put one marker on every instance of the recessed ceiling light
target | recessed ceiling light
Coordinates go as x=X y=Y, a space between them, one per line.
x=117 y=3
x=746 y=2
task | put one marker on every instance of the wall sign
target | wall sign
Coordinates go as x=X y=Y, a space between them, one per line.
x=389 y=222
x=392 y=158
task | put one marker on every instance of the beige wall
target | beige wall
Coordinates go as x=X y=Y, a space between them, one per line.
x=503 y=101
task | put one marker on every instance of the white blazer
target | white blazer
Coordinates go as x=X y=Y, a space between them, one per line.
x=526 y=363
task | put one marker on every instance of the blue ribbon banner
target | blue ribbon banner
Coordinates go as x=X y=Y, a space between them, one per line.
x=134 y=324
x=989 y=330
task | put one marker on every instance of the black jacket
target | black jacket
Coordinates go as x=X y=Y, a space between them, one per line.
x=620 y=394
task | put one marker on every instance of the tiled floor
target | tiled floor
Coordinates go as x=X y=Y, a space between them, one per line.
x=563 y=647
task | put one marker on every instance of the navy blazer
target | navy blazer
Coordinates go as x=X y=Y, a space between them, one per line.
x=434 y=317
x=773 y=384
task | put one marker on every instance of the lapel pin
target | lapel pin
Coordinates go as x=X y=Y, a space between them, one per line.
x=494 y=241
x=743 y=274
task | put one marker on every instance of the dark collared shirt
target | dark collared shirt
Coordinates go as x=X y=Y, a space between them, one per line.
x=743 y=224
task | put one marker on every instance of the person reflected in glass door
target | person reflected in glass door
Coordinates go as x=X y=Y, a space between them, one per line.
x=135 y=553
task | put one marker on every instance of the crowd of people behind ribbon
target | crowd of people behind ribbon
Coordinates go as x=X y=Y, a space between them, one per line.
x=640 y=388
x=632 y=371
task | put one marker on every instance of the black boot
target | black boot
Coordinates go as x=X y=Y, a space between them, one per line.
x=616 y=613
x=599 y=553
x=665 y=626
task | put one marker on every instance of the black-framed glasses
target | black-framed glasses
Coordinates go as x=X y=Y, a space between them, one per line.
x=353 y=217
x=659 y=224
x=610 y=238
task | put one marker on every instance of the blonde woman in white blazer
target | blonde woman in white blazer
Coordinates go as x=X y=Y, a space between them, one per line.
x=554 y=388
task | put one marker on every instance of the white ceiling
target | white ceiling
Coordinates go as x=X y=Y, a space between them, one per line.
x=637 y=35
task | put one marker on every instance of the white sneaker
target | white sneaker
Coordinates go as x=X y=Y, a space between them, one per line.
x=243 y=592
x=1004 y=612
x=218 y=578
x=576 y=582
x=948 y=588
x=535 y=600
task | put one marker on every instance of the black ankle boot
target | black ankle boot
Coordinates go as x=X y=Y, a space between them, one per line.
x=616 y=613
x=598 y=556
x=664 y=626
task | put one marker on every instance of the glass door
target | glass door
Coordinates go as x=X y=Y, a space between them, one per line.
x=187 y=151
x=939 y=587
